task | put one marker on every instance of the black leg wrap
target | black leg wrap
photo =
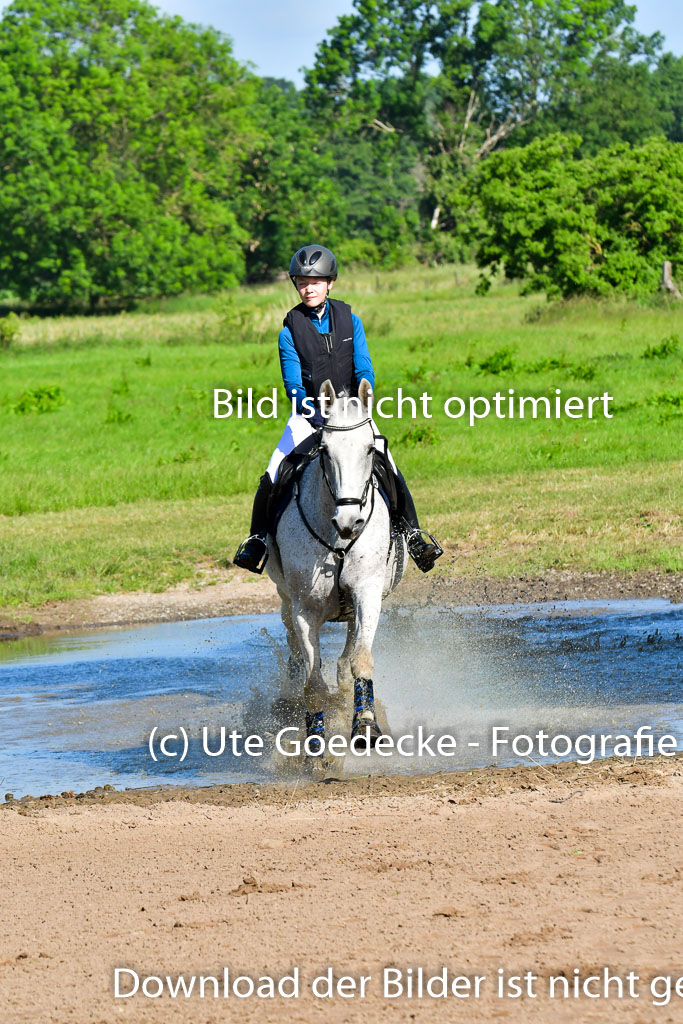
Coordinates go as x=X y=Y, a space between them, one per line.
x=424 y=552
x=259 y=511
x=252 y=554
x=315 y=727
x=365 y=725
x=404 y=500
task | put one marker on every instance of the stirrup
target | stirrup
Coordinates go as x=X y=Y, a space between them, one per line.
x=254 y=561
x=418 y=549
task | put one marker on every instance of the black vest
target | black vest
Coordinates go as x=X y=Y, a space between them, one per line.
x=324 y=356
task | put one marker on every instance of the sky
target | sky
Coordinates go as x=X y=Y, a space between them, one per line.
x=280 y=36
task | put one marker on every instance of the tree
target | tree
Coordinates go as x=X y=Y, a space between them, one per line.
x=574 y=226
x=288 y=190
x=668 y=89
x=461 y=76
x=123 y=133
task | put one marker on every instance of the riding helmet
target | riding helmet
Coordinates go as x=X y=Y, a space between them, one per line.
x=313 y=261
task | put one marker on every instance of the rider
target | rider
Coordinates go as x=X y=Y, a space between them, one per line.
x=321 y=338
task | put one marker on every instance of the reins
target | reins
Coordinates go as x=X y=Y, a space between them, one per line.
x=339 y=552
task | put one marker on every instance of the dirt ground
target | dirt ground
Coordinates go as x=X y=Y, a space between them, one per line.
x=564 y=871
x=233 y=592
x=546 y=870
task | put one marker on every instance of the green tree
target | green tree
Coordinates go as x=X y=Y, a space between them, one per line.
x=668 y=88
x=123 y=134
x=289 y=191
x=574 y=226
x=461 y=77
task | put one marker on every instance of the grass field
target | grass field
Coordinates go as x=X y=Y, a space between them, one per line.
x=115 y=476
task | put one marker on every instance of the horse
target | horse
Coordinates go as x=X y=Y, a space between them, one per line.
x=334 y=557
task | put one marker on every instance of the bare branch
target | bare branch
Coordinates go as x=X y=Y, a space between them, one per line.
x=508 y=126
x=472 y=105
x=376 y=123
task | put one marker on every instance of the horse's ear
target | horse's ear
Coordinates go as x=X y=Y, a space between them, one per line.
x=365 y=392
x=327 y=396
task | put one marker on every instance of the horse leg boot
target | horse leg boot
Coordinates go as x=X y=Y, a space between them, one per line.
x=252 y=554
x=423 y=552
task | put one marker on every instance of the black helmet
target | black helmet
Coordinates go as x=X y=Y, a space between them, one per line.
x=313 y=261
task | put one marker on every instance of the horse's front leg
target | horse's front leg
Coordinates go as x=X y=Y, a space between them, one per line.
x=295 y=663
x=308 y=634
x=367 y=607
x=344 y=673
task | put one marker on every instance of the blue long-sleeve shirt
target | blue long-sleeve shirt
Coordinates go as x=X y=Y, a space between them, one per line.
x=290 y=363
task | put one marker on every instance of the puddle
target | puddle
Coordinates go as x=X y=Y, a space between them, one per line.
x=77 y=710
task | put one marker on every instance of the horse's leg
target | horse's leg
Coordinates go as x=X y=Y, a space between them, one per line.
x=315 y=691
x=344 y=673
x=295 y=664
x=286 y=706
x=367 y=607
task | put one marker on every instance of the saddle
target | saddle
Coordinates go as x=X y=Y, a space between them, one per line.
x=292 y=467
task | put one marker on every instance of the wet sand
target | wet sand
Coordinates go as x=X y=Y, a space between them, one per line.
x=234 y=592
x=541 y=869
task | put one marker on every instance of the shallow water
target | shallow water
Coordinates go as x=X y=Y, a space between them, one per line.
x=78 y=710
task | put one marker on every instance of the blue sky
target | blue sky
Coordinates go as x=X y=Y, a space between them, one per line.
x=280 y=36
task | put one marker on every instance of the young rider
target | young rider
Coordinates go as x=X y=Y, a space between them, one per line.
x=321 y=338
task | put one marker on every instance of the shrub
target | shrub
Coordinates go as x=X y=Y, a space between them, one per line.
x=9 y=330
x=45 y=399
x=570 y=226
x=668 y=347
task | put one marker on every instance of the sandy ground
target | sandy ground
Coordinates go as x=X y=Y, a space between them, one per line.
x=240 y=593
x=541 y=870
x=551 y=870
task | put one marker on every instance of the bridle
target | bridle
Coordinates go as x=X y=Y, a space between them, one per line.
x=340 y=552
x=345 y=501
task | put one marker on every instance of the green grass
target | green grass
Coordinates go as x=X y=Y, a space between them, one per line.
x=115 y=476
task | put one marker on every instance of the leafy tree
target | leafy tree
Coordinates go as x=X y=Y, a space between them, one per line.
x=617 y=102
x=463 y=76
x=288 y=189
x=667 y=80
x=123 y=132
x=574 y=226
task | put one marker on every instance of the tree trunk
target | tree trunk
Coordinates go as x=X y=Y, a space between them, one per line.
x=668 y=281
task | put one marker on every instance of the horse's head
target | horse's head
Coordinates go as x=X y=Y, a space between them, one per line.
x=347 y=457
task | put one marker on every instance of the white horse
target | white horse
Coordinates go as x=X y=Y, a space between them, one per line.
x=334 y=558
